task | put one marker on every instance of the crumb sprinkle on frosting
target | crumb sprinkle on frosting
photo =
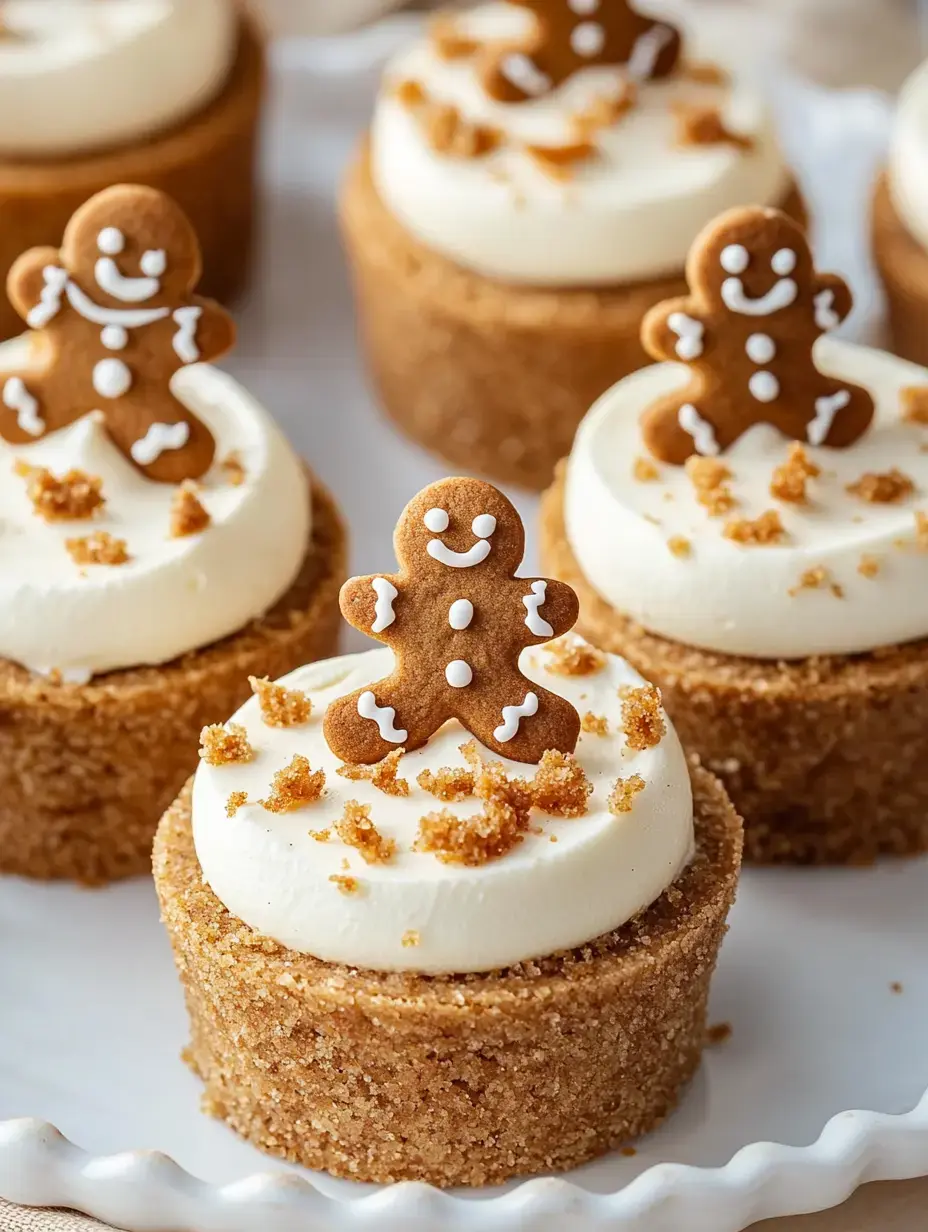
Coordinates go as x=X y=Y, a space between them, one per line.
x=594 y=724
x=188 y=516
x=622 y=796
x=572 y=657
x=791 y=477
x=702 y=124
x=914 y=401
x=817 y=578
x=235 y=801
x=71 y=497
x=225 y=745
x=763 y=531
x=560 y=786
x=643 y=718
x=356 y=830
x=280 y=707
x=383 y=774
x=449 y=783
x=100 y=548
x=295 y=786
x=344 y=884
x=886 y=488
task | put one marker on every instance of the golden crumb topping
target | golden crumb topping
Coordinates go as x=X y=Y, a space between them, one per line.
x=708 y=476
x=868 y=566
x=761 y=532
x=921 y=530
x=604 y=112
x=882 y=489
x=410 y=93
x=642 y=717
x=791 y=477
x=680 y=546
x=560 y=786
x=449 y=783
x=817 y=578
x=446 y=38
x=645 y=471
x=346 y=885
x=233 y=469
x=356 y=830
x=622 y=796
x=702 y=124
x=411 y=939
x=914 y=400
x=706 y=74
x=188 y=517
x=221 y=746
x=594 y=724
x=566 y=657
x=383 y=775
x=71 y=497
x=294 y=787
x=100 y=548
x=235 y=802
x=280 y=707
x=559 y=161
x=718 y=1033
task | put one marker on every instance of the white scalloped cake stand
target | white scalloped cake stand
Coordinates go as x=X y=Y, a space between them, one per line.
x=91 y=1014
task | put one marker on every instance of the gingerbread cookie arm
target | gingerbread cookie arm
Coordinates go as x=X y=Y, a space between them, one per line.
x=369 y=604
x=833 y=301
x=205 y=331
x=551 y=608
x=35 y=286
x=674 y=331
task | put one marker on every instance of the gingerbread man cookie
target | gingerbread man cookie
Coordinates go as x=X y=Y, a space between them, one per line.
x=457 y=620
x=117 y=318
x=747 y=330
x=571 y=35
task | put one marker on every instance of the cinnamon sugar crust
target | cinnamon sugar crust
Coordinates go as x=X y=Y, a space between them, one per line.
x=80 y=788
x=824 y=757
x=453 y=1080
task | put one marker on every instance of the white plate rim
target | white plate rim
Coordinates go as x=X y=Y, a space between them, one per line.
x=145 y=1191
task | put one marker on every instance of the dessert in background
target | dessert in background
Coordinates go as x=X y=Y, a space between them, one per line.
x=161 y=540
x=534 y=176
x=160 y=92
x=448 y=911
x=748 y=526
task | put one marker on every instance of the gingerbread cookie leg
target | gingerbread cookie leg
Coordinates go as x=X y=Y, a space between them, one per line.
x=843 y=413
x=674 y=429
x=370 y=723
x=175 y=446
x=529 y=721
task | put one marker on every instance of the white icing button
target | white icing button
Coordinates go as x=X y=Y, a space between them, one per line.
x=761 y=348
x=783 y=262
x=112 y=378
x=588 y=39
x=111 y=241
x=735 y=259
x=114 y=337
x=764 y=386
x=459 y=674
x=154 y=262
x=436 y=520
x=483 y=525
x=460 y=614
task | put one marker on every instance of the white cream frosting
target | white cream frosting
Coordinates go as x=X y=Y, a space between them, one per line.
x=748 y=600
x=174 y=595
x=908 y=155
x=79 y=75
x=630 y=214
x=541 y=897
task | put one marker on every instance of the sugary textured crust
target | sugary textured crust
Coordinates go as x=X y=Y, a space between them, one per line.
x=87 y=770
x=466 y=1080
x=823 y=757
x=206 y=163
x=491 y=377
x=903 y=266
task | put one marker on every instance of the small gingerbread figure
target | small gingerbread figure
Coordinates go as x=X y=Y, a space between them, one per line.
x=571 y=35
x=457 y=620
x=116 y=318
x=747 y=330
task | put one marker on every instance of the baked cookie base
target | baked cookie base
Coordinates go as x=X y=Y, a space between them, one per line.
x=492 y=377
x=207 y=164
x=87 y=770
x=903 y=266
x=824 y=758
x=466 y=1080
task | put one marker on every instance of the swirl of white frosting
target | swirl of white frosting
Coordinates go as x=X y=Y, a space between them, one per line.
x=753 y=600
x=908 y=163
x=541 y=897
x=630 y=213
x=174 y=594
x=80 y=75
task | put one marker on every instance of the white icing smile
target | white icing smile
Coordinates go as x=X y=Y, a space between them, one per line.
x=128 y=318
x=110 y=279
x=780 y=295
x=484 y=526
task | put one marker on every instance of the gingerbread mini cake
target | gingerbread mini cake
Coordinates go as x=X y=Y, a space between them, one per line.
x=101 y=92
x=534 y=176
x=750 y=532
x=900 y=222
x=161 y=541
x=448 y=911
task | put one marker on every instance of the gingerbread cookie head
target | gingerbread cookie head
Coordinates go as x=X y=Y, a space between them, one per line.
x=118 y=317
x=457 y=621
x=571 y=35
x=747 y=331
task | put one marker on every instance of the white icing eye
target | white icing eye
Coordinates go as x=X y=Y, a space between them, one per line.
x=436 y=520
x=588 y=39
x=154 y=262
x=584 y=8
x=735 y=259
x=761 y=348
x=111 y=241
x=783 y=262
x=483 y=525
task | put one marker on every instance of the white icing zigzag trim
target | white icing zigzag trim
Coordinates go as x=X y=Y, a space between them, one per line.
x=513 y=716
x=825 y=411
x=383 y=716
x=49 y=304
x=157 y=439
x=18 y=398
x=533 y=602
x=384 y=614
x=185 y=340
x=699 y=429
